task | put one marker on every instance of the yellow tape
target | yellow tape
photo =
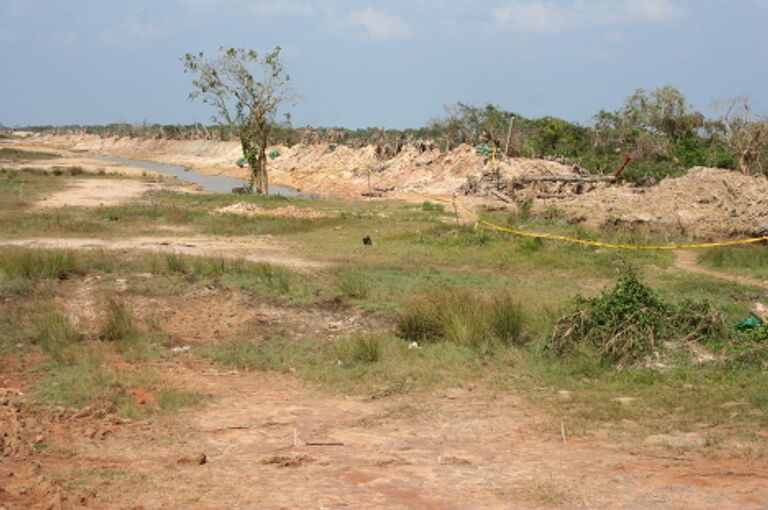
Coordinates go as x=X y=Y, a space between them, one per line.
x=554 y=237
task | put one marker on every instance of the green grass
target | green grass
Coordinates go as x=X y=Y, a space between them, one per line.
x=464 y=318
x=747 y=260
x=37 y=265
x=375 y=364
x=22 y=155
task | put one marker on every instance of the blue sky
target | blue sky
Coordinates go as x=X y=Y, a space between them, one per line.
x=377 y=63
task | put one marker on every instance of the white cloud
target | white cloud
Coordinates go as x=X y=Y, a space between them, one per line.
x=542 y=16
x=265 y=8
x=651 y=10
x=532 y=17
x=377 y=24
x=131 y=32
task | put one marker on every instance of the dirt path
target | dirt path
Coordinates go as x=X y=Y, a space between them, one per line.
x=688 y=261
x=452 y=450
x=254 y=249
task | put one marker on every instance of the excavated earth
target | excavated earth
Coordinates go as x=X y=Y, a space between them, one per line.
x=705 y=203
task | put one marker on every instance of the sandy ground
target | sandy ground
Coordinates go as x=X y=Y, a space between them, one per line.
x=103 y=192
x=254 y=249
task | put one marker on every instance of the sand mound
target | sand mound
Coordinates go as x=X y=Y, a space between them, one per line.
x=705 y=203
x=252 y=210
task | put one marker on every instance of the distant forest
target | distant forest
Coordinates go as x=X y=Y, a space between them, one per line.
x=655 y=133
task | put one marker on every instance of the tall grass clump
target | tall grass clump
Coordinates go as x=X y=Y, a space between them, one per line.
x=630 y=322
x=354 y=286
x=40 y=264
x=119 y=325
x=361 y=349
x=119 y=328
x=463 y=317
x=56 y=336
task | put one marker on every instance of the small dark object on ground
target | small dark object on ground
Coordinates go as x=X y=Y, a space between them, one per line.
x=198 y=460
x=367 y=241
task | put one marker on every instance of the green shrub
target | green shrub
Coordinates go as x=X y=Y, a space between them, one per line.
x=629 y=323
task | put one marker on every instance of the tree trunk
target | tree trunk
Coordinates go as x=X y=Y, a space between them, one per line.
x=263 y=188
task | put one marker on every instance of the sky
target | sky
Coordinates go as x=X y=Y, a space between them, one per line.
x=365 y=63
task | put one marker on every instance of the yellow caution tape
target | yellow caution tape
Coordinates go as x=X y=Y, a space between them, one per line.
x=615 y=246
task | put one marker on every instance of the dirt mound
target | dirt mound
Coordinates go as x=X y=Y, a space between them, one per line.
x=253 y=210
x=705 y=203
x=324 y=169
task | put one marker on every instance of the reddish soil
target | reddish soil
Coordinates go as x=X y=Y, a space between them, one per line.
x=266 y=440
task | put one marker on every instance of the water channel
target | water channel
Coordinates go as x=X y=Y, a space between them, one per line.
x=210 y=183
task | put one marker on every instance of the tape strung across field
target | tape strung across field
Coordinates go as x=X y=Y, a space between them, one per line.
x=614 y=246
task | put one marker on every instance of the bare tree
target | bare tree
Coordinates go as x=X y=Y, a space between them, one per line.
x=246 y=89
x=746 y=134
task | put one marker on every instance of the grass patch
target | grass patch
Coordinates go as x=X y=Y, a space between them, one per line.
x=374 y=363
x=39 y=264
x=746 y=260
x=56 y=336
x=464 y=318
x=9 y=154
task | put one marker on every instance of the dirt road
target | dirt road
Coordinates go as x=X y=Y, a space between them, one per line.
x=269 y=441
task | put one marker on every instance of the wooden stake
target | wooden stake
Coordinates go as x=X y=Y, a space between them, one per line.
x=509 y=136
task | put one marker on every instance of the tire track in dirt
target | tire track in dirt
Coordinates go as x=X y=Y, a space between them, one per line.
x=688 y=261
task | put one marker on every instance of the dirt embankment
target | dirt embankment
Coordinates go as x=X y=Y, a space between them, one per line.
x=705 y=203
x=334 y=170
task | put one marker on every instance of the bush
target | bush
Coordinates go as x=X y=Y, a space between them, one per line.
x=630 y=322
x=464 y=318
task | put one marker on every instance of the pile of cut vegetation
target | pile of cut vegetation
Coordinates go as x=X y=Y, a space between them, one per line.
x=705 y=203
x=630 y=324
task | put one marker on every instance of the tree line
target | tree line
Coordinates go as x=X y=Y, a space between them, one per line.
x=654 y=134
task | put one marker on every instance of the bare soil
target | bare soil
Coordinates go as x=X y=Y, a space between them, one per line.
x=104 y=192
x=705 y=203
x=267 y=440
